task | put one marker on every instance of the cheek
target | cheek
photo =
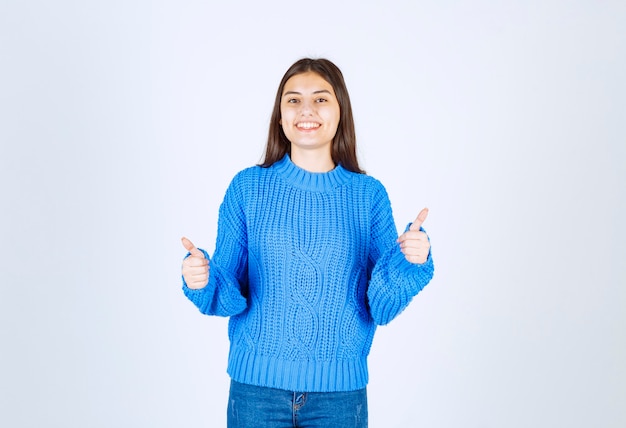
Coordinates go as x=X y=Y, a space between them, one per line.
x=336 y=114
x=336 y=119
x=285 y=116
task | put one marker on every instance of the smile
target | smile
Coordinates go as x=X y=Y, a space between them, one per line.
x=308 y=125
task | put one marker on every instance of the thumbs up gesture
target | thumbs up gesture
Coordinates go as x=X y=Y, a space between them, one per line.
x=414 y=244
x=195 y=267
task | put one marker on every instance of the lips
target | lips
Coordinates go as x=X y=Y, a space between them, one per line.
x=307 y=125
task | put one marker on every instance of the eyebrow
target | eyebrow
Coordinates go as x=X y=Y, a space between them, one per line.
x=321 y=91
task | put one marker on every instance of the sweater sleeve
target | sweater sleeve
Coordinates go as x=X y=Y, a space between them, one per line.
x=224 y=295
x=394 y=281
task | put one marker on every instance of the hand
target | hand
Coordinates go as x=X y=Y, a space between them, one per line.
x=195 y=267
x=414 y=244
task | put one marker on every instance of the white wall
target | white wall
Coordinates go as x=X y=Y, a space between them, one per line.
x=121 y=123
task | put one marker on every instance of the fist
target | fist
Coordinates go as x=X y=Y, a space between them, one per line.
x=195 y=267
x=414 y=244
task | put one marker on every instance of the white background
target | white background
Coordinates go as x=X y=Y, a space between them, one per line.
x=122 y=122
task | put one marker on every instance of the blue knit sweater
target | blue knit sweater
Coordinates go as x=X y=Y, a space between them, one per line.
x=306 y=265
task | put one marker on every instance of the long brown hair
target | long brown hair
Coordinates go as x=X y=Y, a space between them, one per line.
x=343 y=150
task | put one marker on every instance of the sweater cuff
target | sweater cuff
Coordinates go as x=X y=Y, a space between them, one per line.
x=419 y=274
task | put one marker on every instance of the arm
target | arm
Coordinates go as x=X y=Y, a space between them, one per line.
x=224 y=291
x=394 y=280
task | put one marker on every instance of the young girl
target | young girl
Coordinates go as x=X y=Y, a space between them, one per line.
x=307 y=263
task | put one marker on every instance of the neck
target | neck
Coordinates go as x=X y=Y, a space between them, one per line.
x=312 y=160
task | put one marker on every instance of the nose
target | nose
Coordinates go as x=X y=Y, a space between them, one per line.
x=307 y=108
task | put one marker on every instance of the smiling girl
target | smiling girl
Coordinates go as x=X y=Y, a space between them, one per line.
x=307 y=263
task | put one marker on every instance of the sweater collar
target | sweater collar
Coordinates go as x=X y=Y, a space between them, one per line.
x=315 y=181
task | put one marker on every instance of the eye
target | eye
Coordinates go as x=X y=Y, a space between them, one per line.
x=321 y=100
x=292 y=100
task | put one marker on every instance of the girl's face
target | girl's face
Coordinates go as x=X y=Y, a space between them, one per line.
x=309 y=112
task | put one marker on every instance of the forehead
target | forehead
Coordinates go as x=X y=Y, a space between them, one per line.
x=306 y=83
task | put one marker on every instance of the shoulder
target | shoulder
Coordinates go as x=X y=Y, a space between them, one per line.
x=369 y=185
x=249 y=173
x=246 y=178
x=368 y=193
x=242 y=185
x=376 y=195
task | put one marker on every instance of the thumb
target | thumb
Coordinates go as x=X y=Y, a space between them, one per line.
x=191 y=248
x=419 y=220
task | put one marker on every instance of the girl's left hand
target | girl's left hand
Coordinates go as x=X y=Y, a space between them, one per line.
x=414 y=243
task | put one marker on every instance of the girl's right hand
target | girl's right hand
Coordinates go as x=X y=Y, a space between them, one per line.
x=195 y=267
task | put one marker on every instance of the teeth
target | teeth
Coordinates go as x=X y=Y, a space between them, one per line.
x=308 y=125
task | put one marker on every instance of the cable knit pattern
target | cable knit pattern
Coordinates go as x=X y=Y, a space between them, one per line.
x=306 y=265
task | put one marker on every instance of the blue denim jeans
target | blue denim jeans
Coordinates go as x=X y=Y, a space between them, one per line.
x=257 y=407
